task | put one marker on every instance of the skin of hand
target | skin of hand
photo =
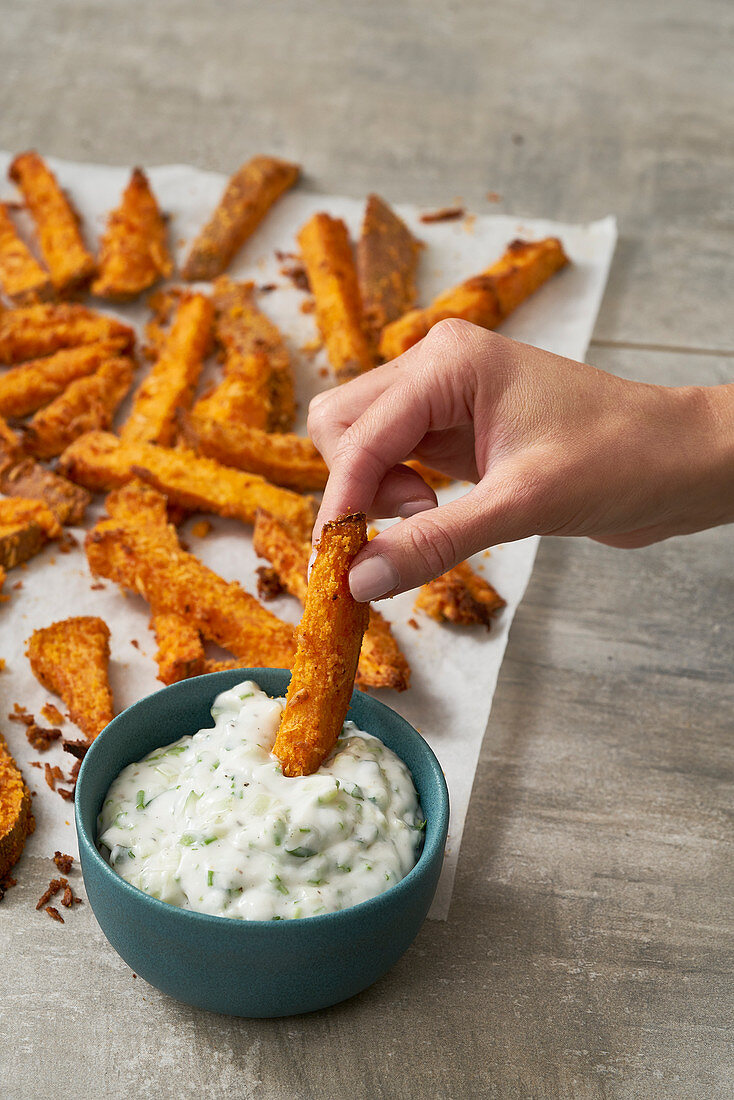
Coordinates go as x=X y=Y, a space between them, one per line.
x=554 y=447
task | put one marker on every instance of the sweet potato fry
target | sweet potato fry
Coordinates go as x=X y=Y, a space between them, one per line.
x=248 y=196
x=99 y=460
x=57 y=223
x=16 y=815
x=381 y=661
x=133 y=252
x=329 y=640
x=180 y=651
x=387 y=260
x=327 y=256
x=21 y=276
x=171 y=382
x=21 y=476
x=284 y=459
x=15 y=510
x=87 y=404
x=485 y=299
x=432 y=477
x=25 y=528
x=71 y=658
x=148 y=560
x=460 y=596
x=28 y=387
x=255 y=353
x=38 y=330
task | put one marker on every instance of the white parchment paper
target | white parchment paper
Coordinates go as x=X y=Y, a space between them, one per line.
x=454 y=669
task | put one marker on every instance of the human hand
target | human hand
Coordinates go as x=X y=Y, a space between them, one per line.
x=555 y=447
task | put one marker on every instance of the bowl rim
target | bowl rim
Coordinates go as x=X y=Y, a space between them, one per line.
x=286 y=926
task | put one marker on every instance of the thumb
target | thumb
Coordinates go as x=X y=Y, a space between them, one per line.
x=418 y=549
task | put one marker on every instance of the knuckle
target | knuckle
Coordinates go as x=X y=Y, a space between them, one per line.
x=432 y=546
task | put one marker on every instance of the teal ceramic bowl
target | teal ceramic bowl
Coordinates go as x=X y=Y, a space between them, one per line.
x=253 y=968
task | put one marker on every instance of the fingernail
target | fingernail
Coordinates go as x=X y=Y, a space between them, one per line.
x=413 y=507
x=372 y=578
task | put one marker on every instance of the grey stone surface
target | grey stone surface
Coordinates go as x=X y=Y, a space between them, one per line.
x=588 y=951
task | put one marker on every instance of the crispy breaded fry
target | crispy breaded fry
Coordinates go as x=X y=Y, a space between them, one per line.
x=99 y=460
x=254 y=352
x=248 y=196
x=381 y=661
x=21 y=276
x=16 y=814
x=87 y=404
x=460 y=596
x=485 y=299
x=133 y=252
x=171 y=382
x=21 y=476
x=27 y=387
x=284 y=459
x=43 y=329
x=57 y=223
x=329 y=640
x=387 y=259
x=71 y=658
x=15 y=510
x=180 y=651
x=149 y=561
x=327 y=256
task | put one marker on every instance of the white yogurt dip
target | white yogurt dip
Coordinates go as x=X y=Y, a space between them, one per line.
x=210 y=822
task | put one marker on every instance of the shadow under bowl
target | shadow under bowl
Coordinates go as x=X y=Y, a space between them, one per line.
x=253 y=968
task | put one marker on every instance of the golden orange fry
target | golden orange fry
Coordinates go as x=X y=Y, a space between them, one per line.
x=86 y=405
x=133 y=251
x=327 y=256
x=149 y=561
x=57 y=223
x=21 y=276
x=71 y=658
x=248 y=196
x=171 y=381
x=329 y=640
x=27 y=387
x=101 y=461
x=256 y=354
x=180 y=652
x=25 y=528
x=387 y=260
x=432 y=477
x=382 y=664
x=38 y=330
x=22 y=476
x=460 y=596
x=16 y=813
x=284 y=459
x=485 y=299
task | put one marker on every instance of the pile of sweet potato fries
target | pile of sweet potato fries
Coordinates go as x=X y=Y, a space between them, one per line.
x=230 y=451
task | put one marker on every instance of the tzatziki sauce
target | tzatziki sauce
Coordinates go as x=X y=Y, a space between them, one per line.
x=210 y=822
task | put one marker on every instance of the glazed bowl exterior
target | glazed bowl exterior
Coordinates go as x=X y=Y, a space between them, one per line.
x=253 y=968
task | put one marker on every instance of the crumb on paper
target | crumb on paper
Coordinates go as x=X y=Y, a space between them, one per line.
x=51 y=891
x=444 y=214
x=493 y=196
x=20 y=714
x=53 y=912
x=135 y=642
x=267 y=288
x=41 y=737
x=63 y=862
x=414 y=624
x=308 y=306
x=323 y=372
x=98 y=586
x=201 y=528
x=52 y=713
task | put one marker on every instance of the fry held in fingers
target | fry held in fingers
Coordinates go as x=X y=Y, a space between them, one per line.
x=22 y=278
x=57 y=223
x=329 y=640
x=485 y=299
x=133 y=251
x=248 y=196
x=326 y=252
